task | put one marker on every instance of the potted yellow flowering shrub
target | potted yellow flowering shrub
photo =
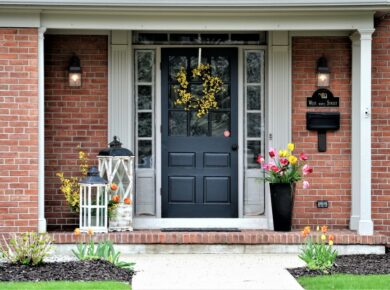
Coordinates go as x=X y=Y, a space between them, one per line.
x=282 y=172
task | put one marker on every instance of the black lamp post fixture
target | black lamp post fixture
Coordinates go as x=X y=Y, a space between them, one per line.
x=323 y=73
x=74 y=72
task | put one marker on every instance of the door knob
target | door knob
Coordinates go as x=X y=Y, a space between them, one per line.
x=234 y=147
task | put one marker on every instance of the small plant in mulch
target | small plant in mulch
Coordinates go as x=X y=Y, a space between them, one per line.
x=24 y=261
x=102 y=251
x=26 y=249
x=322 y=259
x=318 y=252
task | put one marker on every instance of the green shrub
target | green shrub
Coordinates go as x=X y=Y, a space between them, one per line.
x=27 y=248
x=104 y=251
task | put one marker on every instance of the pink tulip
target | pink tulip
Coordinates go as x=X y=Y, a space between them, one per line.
x=284 y=161
x=274 y=168
x=266 y=166
x=260 y=159
x=272 y=152
x=306 y=169
x=306 y=184
x=303 y=157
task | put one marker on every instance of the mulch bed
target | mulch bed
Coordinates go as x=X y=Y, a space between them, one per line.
x=95 y=270
x=351 y=264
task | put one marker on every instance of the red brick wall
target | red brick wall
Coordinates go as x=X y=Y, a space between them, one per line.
x=381 y=125
x=74 y=116
x=18 y=130
x=331 y=179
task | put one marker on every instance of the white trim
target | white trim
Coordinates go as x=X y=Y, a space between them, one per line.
x=20 y=19
x=240 y=131
x=41 y=131
x=216 y=21
x=78 y=32
x=158 y=138
x=203 y=3
x=241 y=223
x=323 y=33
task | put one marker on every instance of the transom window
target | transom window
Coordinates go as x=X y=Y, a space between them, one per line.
x=191 y=38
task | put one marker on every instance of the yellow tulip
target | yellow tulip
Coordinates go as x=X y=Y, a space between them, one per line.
x=330 y=243
x=323 y=237
x=292 y=159
x=291 y=146
x=77 y=231
x=283 y=153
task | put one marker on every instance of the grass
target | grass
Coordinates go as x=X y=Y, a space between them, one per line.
x=64 y=285
x=344 y=281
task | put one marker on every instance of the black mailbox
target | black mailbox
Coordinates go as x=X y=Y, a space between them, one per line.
x=322 y=122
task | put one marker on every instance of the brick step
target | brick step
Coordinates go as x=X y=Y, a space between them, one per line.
x=245 y=237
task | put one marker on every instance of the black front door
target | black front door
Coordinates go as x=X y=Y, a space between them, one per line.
x=199 y=155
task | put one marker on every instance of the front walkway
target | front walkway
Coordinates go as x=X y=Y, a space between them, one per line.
x=210 y=271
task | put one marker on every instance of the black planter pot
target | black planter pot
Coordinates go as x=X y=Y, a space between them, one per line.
x=282 y=200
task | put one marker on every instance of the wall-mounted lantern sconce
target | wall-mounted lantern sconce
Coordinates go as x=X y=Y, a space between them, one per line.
x=74 y=72
x=323 y=73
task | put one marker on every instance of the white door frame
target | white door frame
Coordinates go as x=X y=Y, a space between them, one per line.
x=156 y=222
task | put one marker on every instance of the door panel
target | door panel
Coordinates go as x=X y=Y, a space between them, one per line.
x=199 y=155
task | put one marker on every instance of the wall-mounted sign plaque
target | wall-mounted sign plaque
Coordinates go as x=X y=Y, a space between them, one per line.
x=323 y=98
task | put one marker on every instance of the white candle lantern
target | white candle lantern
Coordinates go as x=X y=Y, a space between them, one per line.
x=93 y=202
x=116 y=164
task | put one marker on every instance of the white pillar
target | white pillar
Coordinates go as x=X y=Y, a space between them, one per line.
x=279 y=99
x=361 y=132
x=41 y=131
x=120 y=116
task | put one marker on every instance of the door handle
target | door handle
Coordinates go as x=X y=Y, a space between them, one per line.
x=234 y=147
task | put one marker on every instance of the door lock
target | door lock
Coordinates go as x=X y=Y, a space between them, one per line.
x=234 y=147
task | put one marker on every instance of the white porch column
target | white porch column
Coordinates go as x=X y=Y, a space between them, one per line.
x=41 y=131
x=279 y=99
x=120 y=113
x=361 y=132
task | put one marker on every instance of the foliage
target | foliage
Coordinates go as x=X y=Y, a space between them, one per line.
x=28 y=248
x=65 y=285
x=211 y=86
x=285 y=167
x=318 y=253
x=104 y=251
x=345 y=282
x=70 y=186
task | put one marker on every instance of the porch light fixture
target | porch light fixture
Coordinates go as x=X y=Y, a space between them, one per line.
x=323 y=73
x=74 y=72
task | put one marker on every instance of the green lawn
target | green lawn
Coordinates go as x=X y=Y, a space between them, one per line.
x=343 y=282
x=64 y=285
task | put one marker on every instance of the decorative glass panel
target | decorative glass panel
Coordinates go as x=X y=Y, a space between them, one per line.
x=199 y=126
x=145 y=154
x=145 y=61
x=178 y=123
x=253 y=67
x=220 y=67
x=144 y=124
x=184 y=37
x=144 y=97
x=173 y=97
x=175 y=64
x=223 y=98
x=220 y=122
x=197 y=90
x=254 y=124
x=252 y=151
x=253 y=97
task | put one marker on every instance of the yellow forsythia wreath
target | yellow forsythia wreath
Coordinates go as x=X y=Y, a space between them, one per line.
x=211 y=86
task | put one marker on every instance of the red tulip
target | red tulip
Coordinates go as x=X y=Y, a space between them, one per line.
x=303 y=157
